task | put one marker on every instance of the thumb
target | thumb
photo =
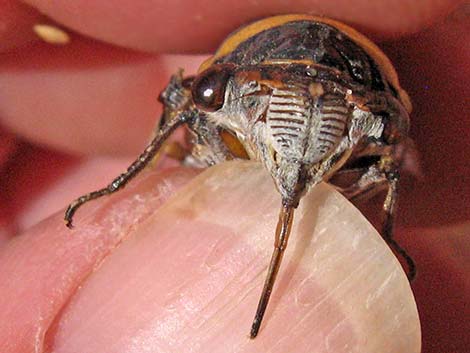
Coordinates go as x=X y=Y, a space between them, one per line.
x=188 y=278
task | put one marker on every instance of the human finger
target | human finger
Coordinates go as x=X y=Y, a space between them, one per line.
x=198 y=26
x=188 y=276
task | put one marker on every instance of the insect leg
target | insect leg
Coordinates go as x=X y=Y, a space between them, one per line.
x=174 y=98
x=374 y=178
x=387 y=228
x=208 y=148
x=283 y=229
x=139 y=164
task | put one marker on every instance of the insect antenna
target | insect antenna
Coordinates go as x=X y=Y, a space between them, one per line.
x=283 y=230
x=145 y=158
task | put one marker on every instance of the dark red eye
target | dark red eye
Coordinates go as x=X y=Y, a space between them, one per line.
x=208 y=89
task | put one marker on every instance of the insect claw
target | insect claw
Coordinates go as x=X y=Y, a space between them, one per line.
x=68 y=223
x=68 y=217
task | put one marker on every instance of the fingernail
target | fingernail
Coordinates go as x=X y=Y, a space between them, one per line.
x=188 y=279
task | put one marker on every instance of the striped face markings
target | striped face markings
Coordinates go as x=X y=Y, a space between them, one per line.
x=303 y=119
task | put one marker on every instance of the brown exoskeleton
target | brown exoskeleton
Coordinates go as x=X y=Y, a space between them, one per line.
x=308 y=98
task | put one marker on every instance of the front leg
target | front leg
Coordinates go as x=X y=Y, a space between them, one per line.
x=389 y=207
x=177 y=112
x=174 y=97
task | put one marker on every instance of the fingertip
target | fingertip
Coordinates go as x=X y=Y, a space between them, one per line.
x=189 y=278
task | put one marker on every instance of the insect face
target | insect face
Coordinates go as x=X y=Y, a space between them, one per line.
x=281 y=115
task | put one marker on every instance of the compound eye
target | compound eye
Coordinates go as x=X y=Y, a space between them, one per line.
x=208 y=89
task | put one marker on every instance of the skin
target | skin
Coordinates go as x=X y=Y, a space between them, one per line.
x=52 y=96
